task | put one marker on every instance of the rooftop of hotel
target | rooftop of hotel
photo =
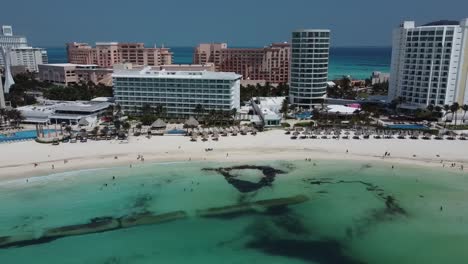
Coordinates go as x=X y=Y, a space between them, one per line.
x=78 y=106
x=70 y=65
x=148 y=72
x=270 y=101
x=442 y=23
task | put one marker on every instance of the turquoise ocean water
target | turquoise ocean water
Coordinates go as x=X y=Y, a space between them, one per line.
x=355 y=213
x=359 y=62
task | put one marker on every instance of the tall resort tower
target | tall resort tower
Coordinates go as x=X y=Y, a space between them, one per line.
x=309 y=67
x=430 y=64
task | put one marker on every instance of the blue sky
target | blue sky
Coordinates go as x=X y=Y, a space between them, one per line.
x=239 y=22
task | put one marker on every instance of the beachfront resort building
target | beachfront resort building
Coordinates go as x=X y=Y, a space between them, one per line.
x=106 y=54
x=68 y=74
x=179 y=92
x=19 y=53
x=309 y=67
x=430 y=64
x=269 y=64
x=56 y=112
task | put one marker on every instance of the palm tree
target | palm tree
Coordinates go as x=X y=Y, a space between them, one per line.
x=430 y=108
x=15 y=115
x=126 y=126
x=438 y=110
x=446 y=109
x=198 y=110
x=465 y=109
x=454 y=109
x=285 y=107
x=233 y=113
x=160 y=111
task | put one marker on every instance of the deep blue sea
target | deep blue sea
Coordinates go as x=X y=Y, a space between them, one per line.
x=359 y=62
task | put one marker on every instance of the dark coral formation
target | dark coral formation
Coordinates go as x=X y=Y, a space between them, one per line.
x=95 y=225
x=244 y=186
x=315 y=251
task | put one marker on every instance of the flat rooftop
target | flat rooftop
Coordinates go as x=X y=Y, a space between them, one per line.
x=50 y=107
x=70 y=65
x=149 y=73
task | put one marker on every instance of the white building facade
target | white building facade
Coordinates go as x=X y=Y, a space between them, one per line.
x=430 y=64
x=20 y=53
x=179 y=92
x=28 y=57
x=309 y=67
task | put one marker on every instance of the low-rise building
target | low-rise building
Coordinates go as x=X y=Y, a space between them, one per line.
x=268 y=110
x=56 y=112
x=68 y=73
x=179 y=92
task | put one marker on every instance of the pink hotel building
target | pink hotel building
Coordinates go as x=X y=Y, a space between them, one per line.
x=106 y=54
x=269 y=63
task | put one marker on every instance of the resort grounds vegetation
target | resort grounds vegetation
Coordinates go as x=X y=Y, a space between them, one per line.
x=11 y=116
x=75 y=92
x=249 y=91
x=147 y=114
x=26 y=86
x=344 y=89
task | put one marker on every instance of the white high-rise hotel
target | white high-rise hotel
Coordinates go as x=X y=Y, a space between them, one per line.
x=309 y=67
x=20 y=54
x=178 y=91
x=430 y=64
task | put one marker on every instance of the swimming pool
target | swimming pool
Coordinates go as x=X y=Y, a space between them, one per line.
x=22 y=135
x=408 y=127
x=176 y=132
x=304 y=115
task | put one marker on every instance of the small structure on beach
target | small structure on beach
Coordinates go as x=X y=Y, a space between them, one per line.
x=158 y=127
x=191 y=123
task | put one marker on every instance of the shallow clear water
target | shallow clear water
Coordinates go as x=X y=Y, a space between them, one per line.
x=347 y=219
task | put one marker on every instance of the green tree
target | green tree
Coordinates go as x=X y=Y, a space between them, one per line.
x=285 y=107
x=126 y=126
x=454 y=109
x=465 y=109
x=199 y=111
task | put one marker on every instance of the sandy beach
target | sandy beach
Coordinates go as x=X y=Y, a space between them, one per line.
x=17 y=160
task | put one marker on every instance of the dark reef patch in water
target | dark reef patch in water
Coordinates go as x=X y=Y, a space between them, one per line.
x=244 y=186
x=141 y=203
x=391 y=204
x=291 y=223
x=321 y=251
x=392 y=210
x=25 y=243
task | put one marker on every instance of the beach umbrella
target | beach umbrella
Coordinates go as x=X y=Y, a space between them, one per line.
x=191 y=122
x=159 y=124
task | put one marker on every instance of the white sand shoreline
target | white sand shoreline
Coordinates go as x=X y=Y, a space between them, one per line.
x=17 y=159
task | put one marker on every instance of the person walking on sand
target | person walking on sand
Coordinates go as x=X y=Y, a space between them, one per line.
x=53 y=167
